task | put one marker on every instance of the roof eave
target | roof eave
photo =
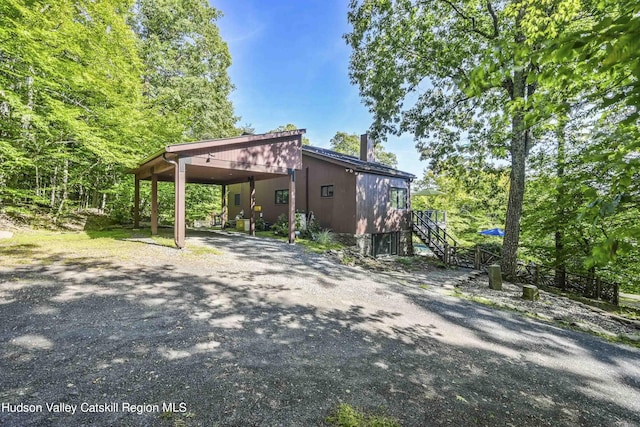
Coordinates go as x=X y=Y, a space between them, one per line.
x=395 y=174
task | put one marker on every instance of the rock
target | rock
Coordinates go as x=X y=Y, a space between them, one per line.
x=5 y=234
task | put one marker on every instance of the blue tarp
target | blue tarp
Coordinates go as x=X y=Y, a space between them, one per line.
x=493 y=232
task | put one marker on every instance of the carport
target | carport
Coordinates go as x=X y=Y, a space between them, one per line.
x=223 y=162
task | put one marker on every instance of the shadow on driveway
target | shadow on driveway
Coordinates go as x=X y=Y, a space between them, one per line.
x=270 y=335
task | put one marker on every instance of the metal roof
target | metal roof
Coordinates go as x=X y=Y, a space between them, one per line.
x=355 y=163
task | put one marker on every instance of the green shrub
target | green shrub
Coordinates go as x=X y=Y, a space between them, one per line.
x=281 y=226
x=261 y=225
x=323 y=237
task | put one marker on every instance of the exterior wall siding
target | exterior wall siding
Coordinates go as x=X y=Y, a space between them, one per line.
x=374 y=213
x=360 y=206
x=337 y=213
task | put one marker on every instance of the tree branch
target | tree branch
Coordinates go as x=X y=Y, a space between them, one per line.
x=472 y=19
x=494 y=19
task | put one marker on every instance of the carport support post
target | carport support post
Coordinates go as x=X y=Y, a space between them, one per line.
x=252 y=205
x=223 y=215
x=154 y=204
x=292 y=205
x=179 y=220
x=136 y=203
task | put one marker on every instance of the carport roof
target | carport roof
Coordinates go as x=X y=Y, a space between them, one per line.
x=227 y=160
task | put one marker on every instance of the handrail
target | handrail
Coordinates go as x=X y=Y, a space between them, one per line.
x=430 y=223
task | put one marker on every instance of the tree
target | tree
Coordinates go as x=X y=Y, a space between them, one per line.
x=606 y=50
x=186 y=61
x=473 y=197
x=290 y=126
x=459 y=75
x=345 y=143
x=70 y=100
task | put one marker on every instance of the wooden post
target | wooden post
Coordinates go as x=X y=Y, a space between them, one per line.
x=536 y=274
x=598 y=288
x=495 y=277
x=136 y=204
x=476 y=258
x=223 y=215
x=530 y=292
x=252 y=206
x=179 y=227
x=292 y=206
x=154 y=204
x=445 y=247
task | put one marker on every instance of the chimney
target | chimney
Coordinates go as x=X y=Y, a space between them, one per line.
x=366 y=149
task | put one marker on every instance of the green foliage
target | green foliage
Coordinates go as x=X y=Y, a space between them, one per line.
x=491 y=80
x=70 y=101
x=349 y=144
x=323 y=237
x=474 y=199
x=347 y=416
x=261 y=225
x=281 y=226
x=291 y=126
x=185 y=73
x=89 y=88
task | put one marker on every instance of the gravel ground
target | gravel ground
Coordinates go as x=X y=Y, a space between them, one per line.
x=552 y=307
x=268 y=334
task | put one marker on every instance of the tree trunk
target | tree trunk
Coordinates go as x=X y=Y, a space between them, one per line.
x=54 y=180
x=560 y=277
x=37 y=170
x=65 y=182
x=519 y=142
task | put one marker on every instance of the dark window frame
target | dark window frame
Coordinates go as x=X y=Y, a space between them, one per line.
x=236 y=200
x=278 y=200
x=329 y=191
x=398 y=198
x=385 y=243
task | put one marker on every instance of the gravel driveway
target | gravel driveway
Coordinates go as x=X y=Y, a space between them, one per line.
x=267 y=334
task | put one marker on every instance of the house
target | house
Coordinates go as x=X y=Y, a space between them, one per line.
x=363 y=202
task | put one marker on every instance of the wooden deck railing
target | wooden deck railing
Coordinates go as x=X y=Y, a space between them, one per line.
x=444 y=246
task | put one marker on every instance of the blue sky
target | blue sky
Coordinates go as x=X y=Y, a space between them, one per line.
x=290 y=65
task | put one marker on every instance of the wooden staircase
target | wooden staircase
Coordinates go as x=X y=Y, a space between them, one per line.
x=429 y=226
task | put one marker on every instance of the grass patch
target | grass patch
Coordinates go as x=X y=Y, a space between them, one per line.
x=347 y=416
x=318 y=247
x=164 y=241
x=203 y=250
x=407 y=260
x=44 y=246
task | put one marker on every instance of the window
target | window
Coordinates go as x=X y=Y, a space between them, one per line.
x=326 y=191
x=385 y=244
x=282 y=197
x=398 y=198
x=236 y=199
